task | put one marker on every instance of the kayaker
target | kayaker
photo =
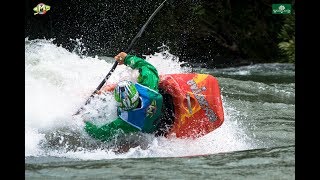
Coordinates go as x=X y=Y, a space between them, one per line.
x=139 y=104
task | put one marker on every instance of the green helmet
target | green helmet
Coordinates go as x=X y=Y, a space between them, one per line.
x=126 y=95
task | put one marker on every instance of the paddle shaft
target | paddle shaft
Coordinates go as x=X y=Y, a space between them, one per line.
x=127 y=50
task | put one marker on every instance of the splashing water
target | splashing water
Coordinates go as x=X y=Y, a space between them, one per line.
x=57 y=84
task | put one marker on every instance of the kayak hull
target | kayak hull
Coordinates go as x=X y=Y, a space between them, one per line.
x=197 y=102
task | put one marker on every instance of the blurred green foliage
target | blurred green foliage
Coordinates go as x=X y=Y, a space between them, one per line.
x=287 y=38
x=220 y=32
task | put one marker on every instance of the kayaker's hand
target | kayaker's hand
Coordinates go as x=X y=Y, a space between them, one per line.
x=108 y=88
x=120 y=57
x=98 y=92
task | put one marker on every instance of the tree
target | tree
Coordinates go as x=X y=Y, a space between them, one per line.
x=287 y=38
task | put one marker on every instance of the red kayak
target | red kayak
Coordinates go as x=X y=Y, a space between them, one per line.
x=196 y=101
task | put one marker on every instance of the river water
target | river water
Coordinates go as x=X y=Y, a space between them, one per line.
x=256 y=140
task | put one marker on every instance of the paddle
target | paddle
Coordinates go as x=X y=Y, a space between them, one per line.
x=127 y=50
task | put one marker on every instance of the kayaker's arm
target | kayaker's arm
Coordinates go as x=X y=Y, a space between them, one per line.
x=148 y=74
x=108 y=132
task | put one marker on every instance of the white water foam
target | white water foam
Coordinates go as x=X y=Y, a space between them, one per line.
x=58 y=82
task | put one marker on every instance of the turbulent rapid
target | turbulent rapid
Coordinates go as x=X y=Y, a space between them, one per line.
x=258 y=105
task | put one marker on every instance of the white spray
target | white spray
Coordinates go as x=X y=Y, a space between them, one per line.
x=57 y=84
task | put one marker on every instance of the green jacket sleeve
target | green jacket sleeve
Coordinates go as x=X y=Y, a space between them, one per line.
x=148 y=74
x=109 y=131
